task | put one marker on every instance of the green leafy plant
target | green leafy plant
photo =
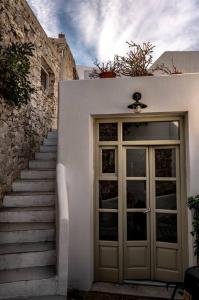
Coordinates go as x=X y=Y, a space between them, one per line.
x=193 y=204
x=15 y=85
x=109 y=66
x=137 y=61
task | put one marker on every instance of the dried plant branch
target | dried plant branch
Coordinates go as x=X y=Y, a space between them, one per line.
x=137 y=61
x=163 y=68
x=166 y=70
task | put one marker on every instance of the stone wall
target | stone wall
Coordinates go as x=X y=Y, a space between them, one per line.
x=67 y=58
x=22 y=130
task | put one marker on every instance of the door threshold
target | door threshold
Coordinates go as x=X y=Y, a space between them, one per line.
x=150 y=283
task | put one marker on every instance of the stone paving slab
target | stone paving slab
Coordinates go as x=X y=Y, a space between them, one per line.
x=110 y=291
x=137 y=290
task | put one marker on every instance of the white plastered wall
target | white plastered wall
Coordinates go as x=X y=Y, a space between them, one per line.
x=184 y=61
x=79 y=101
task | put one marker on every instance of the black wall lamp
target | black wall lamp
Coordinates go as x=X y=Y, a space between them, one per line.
x=137 y=106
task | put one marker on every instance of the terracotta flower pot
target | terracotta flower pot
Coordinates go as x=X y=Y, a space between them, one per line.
x=107 y=75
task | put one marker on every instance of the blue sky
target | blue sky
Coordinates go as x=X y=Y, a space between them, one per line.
x=100 y=28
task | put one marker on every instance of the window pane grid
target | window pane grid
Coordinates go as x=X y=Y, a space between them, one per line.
x=108 y=131
x=165 y=162
x=161 y=214
x=136 y=193
x=136 y=162
x=166 y=195
x=136 y=226
x=166 y=227
x=154 y=130
x=108 y=226
x=108 y=161
x=108 y=194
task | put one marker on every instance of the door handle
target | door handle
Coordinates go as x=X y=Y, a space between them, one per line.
x=147 y=211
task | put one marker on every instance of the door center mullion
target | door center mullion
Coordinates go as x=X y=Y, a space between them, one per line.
x=152 y=208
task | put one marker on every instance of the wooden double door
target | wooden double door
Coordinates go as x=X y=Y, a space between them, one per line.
x=138 y=223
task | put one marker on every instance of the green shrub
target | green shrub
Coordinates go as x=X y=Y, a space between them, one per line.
x=193 y=204
x=15 y=86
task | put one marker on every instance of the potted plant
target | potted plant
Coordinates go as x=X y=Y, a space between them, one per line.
x=105 y=70
x=137 y=61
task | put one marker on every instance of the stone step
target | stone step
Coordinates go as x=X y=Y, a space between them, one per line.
x=26 y=247
x=46 y=155
x=25 y=226
x=44 y=149
x=27 y=236
x=29 y=199
x=42 y=164
x=26 y=214
x=50 y=142
x=52 y=134
x=27 y=260
x=28 y=287
x=11 y=233
x=38 y=174
x=35 y=185
x=27 y=274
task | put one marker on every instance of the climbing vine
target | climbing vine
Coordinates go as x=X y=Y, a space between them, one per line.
x=193 y=204
x=15 y=85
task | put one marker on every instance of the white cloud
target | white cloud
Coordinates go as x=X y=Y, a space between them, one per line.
x=103 y=26
x=47 y=13
x=107 y=24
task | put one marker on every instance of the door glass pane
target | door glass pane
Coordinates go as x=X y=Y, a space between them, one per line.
x=166 y=227
x=165 y=162
x=108 y=131
x=108 y=160
x=108 y=226
x=136 y=226
x=151 y=131
x=108 y=194
x=136 y=194
x=136 y=162
x=165 y=194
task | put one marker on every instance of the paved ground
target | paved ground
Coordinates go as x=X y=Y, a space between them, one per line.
x=109 y=291
x=41 y=298
x=90 y=297
x=139 y=291
x=93 y=296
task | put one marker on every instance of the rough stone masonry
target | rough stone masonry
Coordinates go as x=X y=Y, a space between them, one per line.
x=22 y=130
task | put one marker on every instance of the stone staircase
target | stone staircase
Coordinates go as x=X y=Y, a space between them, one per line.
x=27 y=228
